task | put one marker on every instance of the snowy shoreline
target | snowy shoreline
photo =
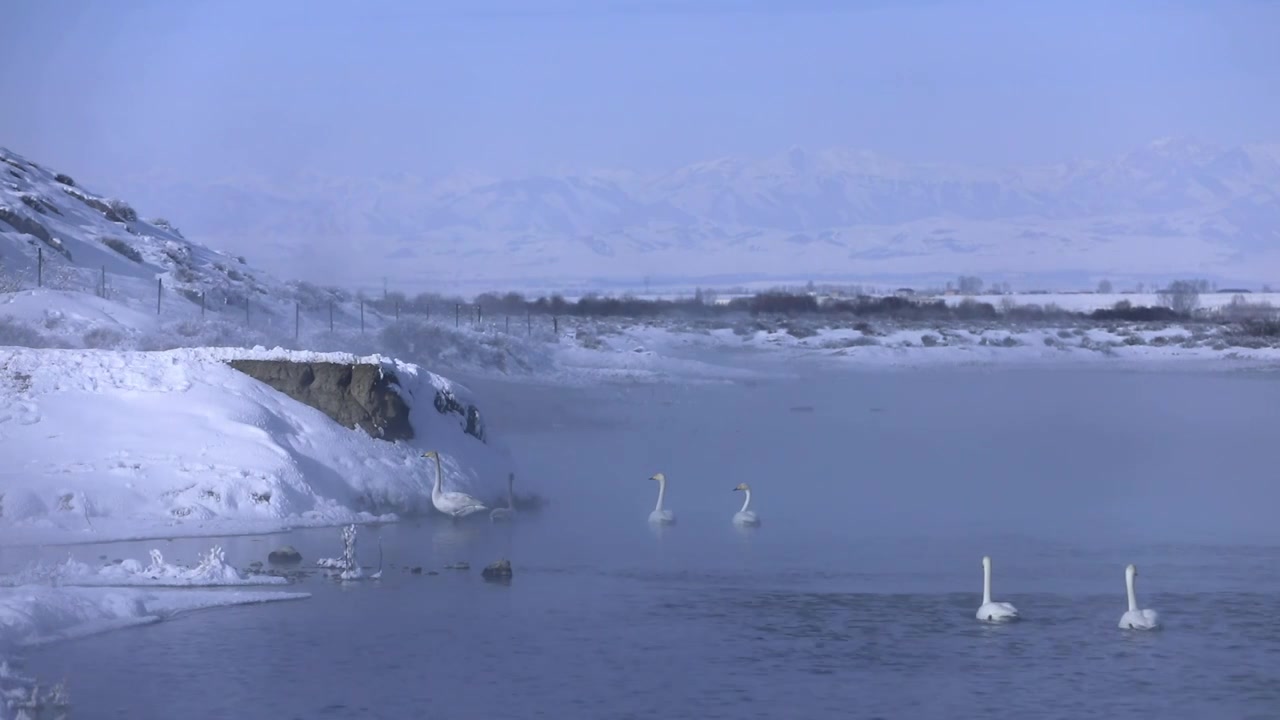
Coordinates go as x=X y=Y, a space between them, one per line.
x=109 y=445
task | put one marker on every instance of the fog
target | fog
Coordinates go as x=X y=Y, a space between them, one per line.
x=1089 y=458
x=347 y=145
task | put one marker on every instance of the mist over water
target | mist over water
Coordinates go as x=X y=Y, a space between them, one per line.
x=879 y=493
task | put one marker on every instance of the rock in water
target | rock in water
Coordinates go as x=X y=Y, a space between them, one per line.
x=500 y=570
x=286 y=555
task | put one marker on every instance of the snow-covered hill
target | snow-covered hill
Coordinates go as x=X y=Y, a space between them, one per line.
x=1172 y=207
x=84 y=236
x=105 y=445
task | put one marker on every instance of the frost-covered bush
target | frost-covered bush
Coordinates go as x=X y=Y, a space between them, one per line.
x=123 y=210
x=348 y=566
x=22 y=698
x=928 y=340
x=437 y=345
x=20 y=334
x=104 y=338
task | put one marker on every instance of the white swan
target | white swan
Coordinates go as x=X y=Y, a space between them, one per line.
x=993 y=611
x=1135 y=619
x=745 y=517
x=660 y=516
x=455 y=504
x=508 y=512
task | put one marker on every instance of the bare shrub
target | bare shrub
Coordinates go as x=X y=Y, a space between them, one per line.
x=104 y=338
x=1182 y=296
x=928 y=340
x=800 y=332
x=123 y=248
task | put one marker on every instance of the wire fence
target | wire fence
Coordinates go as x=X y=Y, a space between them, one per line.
x=302 y=308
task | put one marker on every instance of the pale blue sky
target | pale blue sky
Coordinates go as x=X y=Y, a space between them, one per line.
x=201 y=89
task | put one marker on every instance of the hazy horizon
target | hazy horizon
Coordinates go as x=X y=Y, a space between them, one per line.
x=318 y=127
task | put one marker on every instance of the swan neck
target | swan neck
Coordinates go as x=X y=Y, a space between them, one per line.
x=662 y=492
x=439 y=487
x=986 y=584
x=747 y=501
x=1133 y=596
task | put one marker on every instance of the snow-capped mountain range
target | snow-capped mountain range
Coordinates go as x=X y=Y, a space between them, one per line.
x=1170 y=208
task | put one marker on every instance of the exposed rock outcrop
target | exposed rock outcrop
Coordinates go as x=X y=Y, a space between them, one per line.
x=354 y=396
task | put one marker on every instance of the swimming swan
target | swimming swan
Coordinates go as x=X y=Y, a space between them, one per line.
x=508 y=512
x=745 y=517
x=660 y=516
x=455 y=504
x=1135 y=619
x=993 y=611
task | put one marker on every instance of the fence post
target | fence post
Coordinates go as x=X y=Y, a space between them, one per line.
x=159 y=287
x=457 y=315
x=331 y=316
x=361 y=316
x=508 y=324
x=246 y=310
x=297 y=319
x=39 y=267
x=202 y=292
x=103 y=282
x=397 y=309
x=479 y=314
x=555 y=325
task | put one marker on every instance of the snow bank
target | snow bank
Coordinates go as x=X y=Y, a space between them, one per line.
x=655 y=352
x=125 y=445
x=34 y=615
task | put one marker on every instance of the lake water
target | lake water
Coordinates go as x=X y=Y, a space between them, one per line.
x=879 y=493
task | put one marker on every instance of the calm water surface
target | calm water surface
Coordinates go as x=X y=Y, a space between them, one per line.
x=879 y=494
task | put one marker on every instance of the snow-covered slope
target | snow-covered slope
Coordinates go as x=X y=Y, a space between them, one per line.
x=1174 y=206
x=162 y=290
x=84 y=235
x=101 y=444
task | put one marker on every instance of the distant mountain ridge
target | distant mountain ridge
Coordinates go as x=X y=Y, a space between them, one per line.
x=1173 y=206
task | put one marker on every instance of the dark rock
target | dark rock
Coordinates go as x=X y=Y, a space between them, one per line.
x=432 y=572
x=447 y=403
x=286 y=555
x=500 y=570
x=354 y=396
x=416 y=570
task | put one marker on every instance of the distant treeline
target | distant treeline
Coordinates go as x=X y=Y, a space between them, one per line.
x=764 y=303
